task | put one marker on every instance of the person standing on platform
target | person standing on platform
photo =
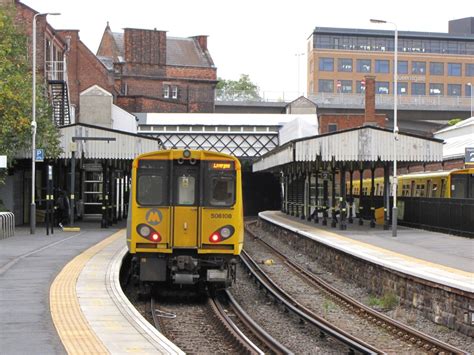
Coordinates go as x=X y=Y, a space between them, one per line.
x=62 y=205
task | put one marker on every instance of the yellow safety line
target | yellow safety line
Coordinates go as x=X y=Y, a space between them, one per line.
x=305 y=227
x=71 y=325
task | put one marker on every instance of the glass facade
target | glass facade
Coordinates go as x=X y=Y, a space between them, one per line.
x=436 y=89
x=383 y=44
x=326 y=64
x=436 y=68
x=344 y=65
x=454 y=69
x=364 y=65
x=326 y=85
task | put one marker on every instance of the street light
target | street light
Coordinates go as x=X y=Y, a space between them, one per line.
x=33 y=126
x=472 y=110
x=298 y=55
x=395 y=128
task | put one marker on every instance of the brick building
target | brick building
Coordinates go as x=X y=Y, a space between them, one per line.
x=332 y=122
x=156 y=73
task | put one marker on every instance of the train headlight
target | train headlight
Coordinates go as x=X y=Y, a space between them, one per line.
x=186 y=154
x=149 y=233
x=221 y=234
x=226 y=232
x=144 y=230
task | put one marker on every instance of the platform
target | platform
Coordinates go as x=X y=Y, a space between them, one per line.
x=63 y=292
x=437 y=257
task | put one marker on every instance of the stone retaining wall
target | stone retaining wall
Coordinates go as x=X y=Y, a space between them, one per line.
x=444 y=305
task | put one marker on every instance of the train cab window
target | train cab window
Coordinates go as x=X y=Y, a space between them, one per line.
x=220 y=184
x=152 y=182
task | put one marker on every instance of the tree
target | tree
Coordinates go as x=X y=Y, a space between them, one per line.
x=454 y=121
x=16 y=97
x=238 y=90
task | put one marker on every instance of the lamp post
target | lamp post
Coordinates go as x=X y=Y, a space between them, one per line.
x=33 y=126
x=298 y=55
x=472 y=110
x=395 y=127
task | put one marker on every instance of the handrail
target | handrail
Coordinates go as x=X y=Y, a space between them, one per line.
x=7 y=224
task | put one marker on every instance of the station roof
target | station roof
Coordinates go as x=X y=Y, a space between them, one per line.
x=125 y=146
x=217 y=119
x=366 y=144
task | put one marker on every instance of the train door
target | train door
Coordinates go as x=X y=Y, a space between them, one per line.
x=186 y=200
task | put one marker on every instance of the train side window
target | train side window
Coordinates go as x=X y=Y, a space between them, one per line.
x=152 y=183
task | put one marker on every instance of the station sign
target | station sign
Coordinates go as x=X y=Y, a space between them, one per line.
x=39 y=156
x=469 y=156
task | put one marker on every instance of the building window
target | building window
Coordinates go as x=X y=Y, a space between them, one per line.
x=344 y=64
x=326 y=85
x=467 y=89
x=402 y=88
x=381 y=87
x=418 y=68
x=332 y=127
x=363 y=65
x=360 y=88
x=174 y=92
x=346 y=86
x=469 y=69
x=326 y=64
x=166 y=91
x=402 y=66
x=454 y=89
x=454 y=69
x=382 y=66
x=436 y=68
x=418 y=89
x=436 y=89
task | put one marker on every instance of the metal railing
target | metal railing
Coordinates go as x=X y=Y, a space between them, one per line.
x=7 y=224
x=353 y=101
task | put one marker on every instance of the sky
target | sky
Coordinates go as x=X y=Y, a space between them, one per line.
x=265 y=39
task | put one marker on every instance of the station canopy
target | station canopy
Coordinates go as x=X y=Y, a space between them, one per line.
x=365 y=145
x=120 y=144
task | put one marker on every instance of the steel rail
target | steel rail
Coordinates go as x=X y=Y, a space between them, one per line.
x=409 y=334
x=265 y=338
x=304 y=313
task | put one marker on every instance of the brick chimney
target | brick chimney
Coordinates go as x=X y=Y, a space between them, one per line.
x=145 y=46
x=202 y=40
x=369 y=99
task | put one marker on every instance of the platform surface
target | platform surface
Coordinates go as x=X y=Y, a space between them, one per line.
x=437 y=257
x=28 y=266
x=60 y=294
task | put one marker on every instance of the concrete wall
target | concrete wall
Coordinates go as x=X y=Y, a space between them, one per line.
x=96 y=108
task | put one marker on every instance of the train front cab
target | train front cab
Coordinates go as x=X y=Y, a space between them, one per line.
x=187 y=217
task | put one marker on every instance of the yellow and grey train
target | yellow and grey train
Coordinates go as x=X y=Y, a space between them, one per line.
x=457 y=183
x=185 y=225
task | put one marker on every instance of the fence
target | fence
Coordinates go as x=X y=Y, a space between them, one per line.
x=7 y=224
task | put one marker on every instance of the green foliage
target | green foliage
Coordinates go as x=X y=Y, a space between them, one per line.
x=16 y=97
x=238 y=90
x=388 y=301
x=454 y=121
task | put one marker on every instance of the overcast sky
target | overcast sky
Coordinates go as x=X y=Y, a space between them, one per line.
x=259 y=37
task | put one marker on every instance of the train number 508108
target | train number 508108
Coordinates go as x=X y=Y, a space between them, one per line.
x=221 y=215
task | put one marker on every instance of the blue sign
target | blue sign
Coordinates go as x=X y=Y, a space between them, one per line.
x=39 y=155
x=154 y=216
x=469 y=157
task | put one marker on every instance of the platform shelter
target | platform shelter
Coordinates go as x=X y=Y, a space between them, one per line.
x=317 y=173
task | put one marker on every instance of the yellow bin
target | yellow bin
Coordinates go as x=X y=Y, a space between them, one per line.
x=379 y=216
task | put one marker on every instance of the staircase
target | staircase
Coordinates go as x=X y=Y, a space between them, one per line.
x=56 y=74
x=60 y=102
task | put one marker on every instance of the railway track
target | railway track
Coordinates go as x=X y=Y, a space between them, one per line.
x=214 y=326
x=402 y=332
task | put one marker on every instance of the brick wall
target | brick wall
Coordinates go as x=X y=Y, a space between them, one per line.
x=84 y=69
x=346 y=121
x=145 y=46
